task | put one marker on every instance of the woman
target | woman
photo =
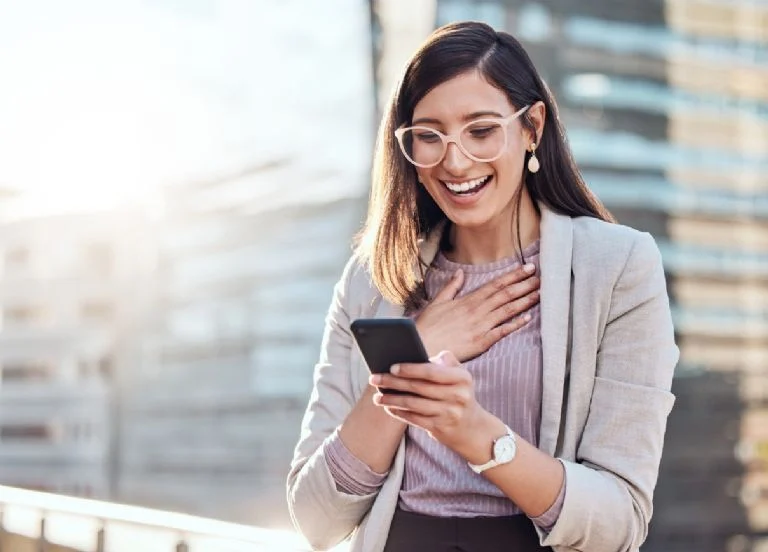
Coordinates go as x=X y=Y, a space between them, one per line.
x=539 y=423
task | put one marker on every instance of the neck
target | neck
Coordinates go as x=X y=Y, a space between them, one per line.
x=498 y=239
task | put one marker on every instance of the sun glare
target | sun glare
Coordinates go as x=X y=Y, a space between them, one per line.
x=104 y=112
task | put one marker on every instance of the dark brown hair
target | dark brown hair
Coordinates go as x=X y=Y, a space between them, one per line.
x=400 y=210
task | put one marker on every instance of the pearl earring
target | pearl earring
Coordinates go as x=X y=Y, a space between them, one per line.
x=533 y=162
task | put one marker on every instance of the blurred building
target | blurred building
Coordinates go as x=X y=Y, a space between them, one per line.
x=249 y=260
x=400 y=27
x=666 y=106
x=213 y=414
x=71 y=295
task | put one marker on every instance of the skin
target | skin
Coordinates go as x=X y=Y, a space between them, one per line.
x=455 y=330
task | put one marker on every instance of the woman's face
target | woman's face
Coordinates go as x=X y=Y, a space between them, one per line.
x=448 y=108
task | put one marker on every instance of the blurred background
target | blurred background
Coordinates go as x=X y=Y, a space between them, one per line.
x=180 y=181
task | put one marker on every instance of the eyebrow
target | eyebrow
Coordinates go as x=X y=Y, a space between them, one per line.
x=469 y=117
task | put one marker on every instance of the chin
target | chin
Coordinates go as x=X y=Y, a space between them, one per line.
x=467 y=220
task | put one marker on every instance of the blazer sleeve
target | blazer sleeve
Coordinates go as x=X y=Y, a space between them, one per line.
x=321 y=512
x=608 y=501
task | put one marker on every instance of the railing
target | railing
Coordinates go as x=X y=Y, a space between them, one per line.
x=60 y=523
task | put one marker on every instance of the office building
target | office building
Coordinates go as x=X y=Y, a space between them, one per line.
x=249 y=258
x=72 y=290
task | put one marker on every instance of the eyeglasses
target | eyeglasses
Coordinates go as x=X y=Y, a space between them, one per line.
x=482 y=140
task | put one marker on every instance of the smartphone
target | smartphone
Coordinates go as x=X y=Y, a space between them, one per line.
x=388 y=341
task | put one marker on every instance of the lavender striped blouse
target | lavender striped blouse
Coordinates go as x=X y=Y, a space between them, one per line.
x=508 y=384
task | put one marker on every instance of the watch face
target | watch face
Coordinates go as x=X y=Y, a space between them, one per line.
x=504 y=449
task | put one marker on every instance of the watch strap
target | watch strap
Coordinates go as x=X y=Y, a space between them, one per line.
x=480 y=468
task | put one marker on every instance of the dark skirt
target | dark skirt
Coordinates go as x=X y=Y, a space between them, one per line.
x=412 y=532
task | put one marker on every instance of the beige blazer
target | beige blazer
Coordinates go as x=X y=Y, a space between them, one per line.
x=608 y=358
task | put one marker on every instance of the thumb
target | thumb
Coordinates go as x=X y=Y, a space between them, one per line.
x=450 y=289
x=445 y=358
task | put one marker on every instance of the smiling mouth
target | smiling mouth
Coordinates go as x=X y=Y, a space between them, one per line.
x=469 y=187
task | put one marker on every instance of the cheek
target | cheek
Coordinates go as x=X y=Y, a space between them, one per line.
x=510 y=165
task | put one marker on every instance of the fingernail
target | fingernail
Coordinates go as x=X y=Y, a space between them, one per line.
x=375 y=379
x=457 y=273
x=395 y=369
x=527 y=317
x=530 y=268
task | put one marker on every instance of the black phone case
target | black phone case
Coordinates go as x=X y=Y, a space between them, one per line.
x=387 y=341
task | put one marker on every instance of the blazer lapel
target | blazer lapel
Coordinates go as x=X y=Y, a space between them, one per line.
x=556 y=253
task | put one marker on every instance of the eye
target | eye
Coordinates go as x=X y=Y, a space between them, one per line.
x=427 y=136
x=482 y=132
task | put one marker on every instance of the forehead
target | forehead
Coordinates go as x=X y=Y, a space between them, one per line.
x=463 y=94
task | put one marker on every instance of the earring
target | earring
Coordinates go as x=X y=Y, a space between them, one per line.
x=533 y=162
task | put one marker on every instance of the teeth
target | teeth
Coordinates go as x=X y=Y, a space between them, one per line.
x=466 y=186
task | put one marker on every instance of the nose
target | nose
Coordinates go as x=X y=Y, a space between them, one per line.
x=455 y=162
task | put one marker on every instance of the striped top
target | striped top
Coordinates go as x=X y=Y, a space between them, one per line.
x=508 y=384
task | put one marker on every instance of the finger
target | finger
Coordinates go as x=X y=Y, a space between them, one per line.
x=513 y=292
x=510 y=310
x=412 y=403
x=504 y=330
x=424 y=422
x=450 y=289
x=434 y=391
x=520 y=274
x=434 y=373
x=445 y=358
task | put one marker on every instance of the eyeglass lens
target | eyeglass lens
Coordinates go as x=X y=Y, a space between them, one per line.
x=483 y=140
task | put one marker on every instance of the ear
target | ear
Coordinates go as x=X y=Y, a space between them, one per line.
x=537 y=115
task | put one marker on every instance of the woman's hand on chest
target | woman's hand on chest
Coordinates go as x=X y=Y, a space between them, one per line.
x=470 y=325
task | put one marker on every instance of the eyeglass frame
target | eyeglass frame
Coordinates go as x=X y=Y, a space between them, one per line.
x=446 y=139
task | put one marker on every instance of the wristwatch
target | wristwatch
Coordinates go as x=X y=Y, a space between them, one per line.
x=504 y=451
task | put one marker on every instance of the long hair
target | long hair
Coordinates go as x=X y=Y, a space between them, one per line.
x=400 y=210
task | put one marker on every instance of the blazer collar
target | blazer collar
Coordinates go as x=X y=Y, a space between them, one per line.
x=556 y=252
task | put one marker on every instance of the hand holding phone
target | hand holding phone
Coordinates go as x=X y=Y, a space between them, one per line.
x=387 y=341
